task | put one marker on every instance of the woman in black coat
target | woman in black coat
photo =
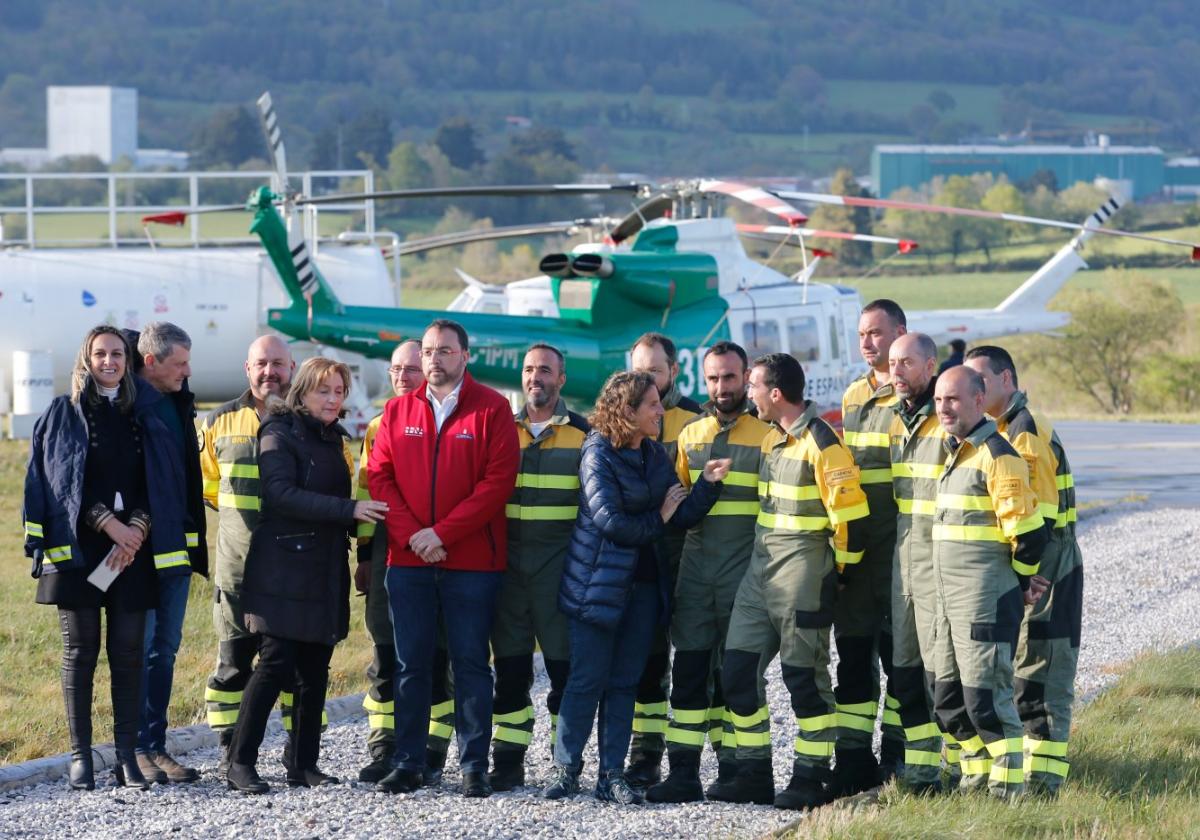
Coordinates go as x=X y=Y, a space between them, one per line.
x=297 y=586
x=615 y=583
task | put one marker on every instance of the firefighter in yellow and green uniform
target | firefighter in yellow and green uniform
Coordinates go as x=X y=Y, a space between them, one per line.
x=715 y=555
x=229 y=463
x=918 y=456
x=1048 y=647
x=541 y=517
x=862 y=618
x=988 y=539
x=405 y=375
x=809 y=529
x=655 y=354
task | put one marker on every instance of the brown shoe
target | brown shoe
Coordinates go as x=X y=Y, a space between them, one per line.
x=172 y=769
x=152 y=772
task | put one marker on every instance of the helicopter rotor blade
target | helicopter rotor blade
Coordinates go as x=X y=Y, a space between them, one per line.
x=757 y=197
x=773 y=231
x=466 y=237
x=653 y=208
x=465 y=192
x=270 y=126
x=888 y=204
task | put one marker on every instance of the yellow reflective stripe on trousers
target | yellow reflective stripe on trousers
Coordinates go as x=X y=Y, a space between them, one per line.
x=817 y=723
x=791 y=492
x=734 y=509
x=847 y=720
x=375 y=721
x=968 y=533
x=651 y=725
x=58 y=554
x=233 y=500
x=548 y=481
x=238 y=470
x=787 y=522
x=33 y=529
x=975 y=766
x=214 y=695
x=868 y=708
x=1006 y=775
x=1044 y=764
x=222 y=718
x=924 y=758
x=1004 y=746
x=691 y=737
x=519 y=716
x=650 y=708
x=446 y=707
x=746 y=721
x=734 y=478
x=541 y=513
x=865 y=439
x=170 y=559
x=925 y=730
x=903 y=469
x=821 y=749
x=692 y=717
x=882 y=475
x=440 y=730
x=513 y=736
x=1054 y=748
x=973 y=744
x=923 y=507
x=752 y=739
x=370 y=704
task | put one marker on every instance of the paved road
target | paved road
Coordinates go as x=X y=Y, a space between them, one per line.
x=1113 y=460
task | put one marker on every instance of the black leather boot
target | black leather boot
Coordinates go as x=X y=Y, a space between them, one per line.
x=126 y=771
x=856 y=770
x=683 y=779
x=803 y=793
x=380 y=766
x=77 y=673
x=754 y=783
x=125 y=666
x=508 y=770
x=245 y=778
x=81 y=776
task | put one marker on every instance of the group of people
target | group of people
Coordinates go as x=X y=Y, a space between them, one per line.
x=660 y=554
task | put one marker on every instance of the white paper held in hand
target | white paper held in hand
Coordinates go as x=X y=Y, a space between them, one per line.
x=103 y=575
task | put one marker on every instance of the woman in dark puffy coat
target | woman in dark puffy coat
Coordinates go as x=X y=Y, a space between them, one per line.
x=297 y=586
x=615 y=584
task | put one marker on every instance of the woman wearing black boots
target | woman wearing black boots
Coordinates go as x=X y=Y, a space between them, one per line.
x=98 y=457
x=297 y=586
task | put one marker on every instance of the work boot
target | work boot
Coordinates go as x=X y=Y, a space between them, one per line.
x=126 y=771
x=613 y=786
x=80 y=776
x=803 y=793
x=399 y=781
x=891 y=759
x=508 y=771
x=245 y=778
x=475 y=785
x=754 y=782
x=855 y=772
x=726 y=773
x=310 y=777
x=225 y=740
x=683 y=781
x=563 y=782
x=176 y=772
x=435 y=763
x=153 y=773
x=644 y=770
x=380 y=766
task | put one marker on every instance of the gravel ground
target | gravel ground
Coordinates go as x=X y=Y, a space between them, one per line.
x=1141 y=592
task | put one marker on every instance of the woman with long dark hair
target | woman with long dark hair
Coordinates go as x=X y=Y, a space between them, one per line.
x=98 y=458
x=615 y=584
x=297 y=587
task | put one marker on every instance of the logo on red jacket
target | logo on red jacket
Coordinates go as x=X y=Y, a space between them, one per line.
x=464 y=435
x=414 y=431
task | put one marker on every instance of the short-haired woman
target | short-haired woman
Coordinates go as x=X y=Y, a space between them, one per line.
x=615 y=584
x=101 y=466
x=297 y=586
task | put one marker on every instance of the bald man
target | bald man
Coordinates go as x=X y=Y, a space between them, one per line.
x=988 y=539
x=229 y=462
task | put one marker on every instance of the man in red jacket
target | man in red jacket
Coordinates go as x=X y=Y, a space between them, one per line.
x=445 y=461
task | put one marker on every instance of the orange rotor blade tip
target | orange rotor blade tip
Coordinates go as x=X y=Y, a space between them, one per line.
x=907 y=246
x=1195 y=253
x=176 y=218
x=821 y=252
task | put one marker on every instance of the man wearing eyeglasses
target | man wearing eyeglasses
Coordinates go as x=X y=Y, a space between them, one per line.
x=445 y=460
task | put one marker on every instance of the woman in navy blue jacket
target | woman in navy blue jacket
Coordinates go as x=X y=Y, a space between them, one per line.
x=105 y=484
x=615 y=584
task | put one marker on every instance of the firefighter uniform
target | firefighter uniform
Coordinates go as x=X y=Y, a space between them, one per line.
x=229 y=464
x=862 y=623
x=988 y=538
x=715 y=556
x=372 y=549
x=541 y=516
x=650 y=708
x=1048 y=647
x=809 y=491
x=917 y=456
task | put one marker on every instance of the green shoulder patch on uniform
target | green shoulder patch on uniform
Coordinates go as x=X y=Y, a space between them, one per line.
x=1022 y=423
x=578 y=421
x=823 y=434
x=998 y=447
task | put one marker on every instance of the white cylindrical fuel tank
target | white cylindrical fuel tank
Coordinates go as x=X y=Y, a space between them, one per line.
x=32 y=388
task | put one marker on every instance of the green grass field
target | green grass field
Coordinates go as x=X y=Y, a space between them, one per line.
x=1135 y=772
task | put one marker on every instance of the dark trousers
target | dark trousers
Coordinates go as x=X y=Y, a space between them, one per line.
x=81 y=650
x=283 y=663
x=605 y=666
x=467 y=601
x=164 y=633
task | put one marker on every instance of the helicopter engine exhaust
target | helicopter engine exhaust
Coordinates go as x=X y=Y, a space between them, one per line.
x=592 y=265
x=556 y=265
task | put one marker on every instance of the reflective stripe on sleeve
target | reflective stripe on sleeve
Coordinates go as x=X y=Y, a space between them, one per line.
x=540 y=512
x=233 y=500
x=542 y=481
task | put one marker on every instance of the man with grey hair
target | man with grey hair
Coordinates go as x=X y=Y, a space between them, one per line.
x=165 y=350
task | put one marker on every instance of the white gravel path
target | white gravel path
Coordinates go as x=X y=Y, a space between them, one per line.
x=1142 y=592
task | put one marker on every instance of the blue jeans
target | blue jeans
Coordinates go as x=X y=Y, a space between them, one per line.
x=605 y=668
x=164 y=632
x=467 y=600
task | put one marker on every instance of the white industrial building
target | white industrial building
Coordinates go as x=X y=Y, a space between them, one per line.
x=93 y=120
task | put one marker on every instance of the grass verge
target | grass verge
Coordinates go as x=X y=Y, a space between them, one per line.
x=1135 y=772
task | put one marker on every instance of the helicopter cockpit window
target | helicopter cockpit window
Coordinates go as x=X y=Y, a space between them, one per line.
x=760 y=338
x=804 y=339
x=834 y=350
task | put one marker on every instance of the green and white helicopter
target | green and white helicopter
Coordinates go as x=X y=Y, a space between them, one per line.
x=672 y=265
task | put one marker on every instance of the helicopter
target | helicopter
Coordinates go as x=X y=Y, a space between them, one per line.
x=673 y=265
